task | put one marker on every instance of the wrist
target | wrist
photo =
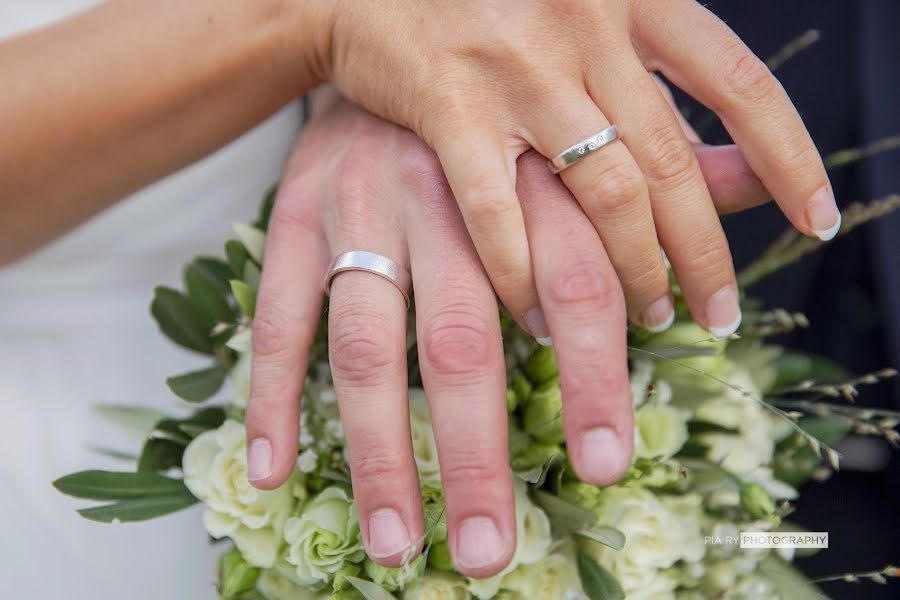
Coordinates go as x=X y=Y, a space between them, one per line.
x=305 y=30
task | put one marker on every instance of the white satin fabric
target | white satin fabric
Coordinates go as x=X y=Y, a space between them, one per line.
x=75 y=331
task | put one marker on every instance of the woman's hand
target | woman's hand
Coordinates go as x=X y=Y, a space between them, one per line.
x=483 y=81
x=356 y=182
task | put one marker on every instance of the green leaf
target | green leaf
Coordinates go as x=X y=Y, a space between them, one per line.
x=369 y=590
x=254 y=240
x=165 y=446
x=138 y=509
x=216 y=270
x=265 y=209
x=237 y=258
x=197 y=386
x=252 y=275
x=179 y=321
x=209 y=301
x=114 y=485
x=608 y=536
x=598 y=583
x=565 y=516
x=245 y=297
x=788 y=581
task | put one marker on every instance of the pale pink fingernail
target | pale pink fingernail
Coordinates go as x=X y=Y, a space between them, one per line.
x=537 y=326
x=823 y=214
x=659 y=316
x=478 y=544
x=387 y=534
x=603 y=456
x=259 y=459
x=723 y=312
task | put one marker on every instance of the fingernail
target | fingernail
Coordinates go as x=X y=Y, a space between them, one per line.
x=259 y=459
x=479 y=543
x=387 y=534
x=602 y=455
x=659 y=316
x=723 y=313
x=823 y=214
x=537 y=325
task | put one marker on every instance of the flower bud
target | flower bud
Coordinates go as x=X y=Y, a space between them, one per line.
x=520 y=385
x=394 y=579
x=439 y=557
x=543 y=414
x=236 y=577
x=541 y=365
x=757 y=501
x=340 y=578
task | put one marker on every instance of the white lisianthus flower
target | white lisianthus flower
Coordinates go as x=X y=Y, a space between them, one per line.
x=215 y=471
x=324 y=537
x=424 y=446
x=554 y=578
x=659 y=532
x=533 y=540
x=437 y=585
x=660 y=430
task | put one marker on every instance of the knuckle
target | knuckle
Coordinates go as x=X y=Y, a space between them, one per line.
x=747 y=79
x=457 y=342
x=648 y=277
x=597 y=383
x=487 y=203
x=708 y=257
x=269 y=331
x=361 y=346
x=374 y=466
x=800 y=156
x=469 y=467
x=615 y=189
x=670 y=155
x=585 y=282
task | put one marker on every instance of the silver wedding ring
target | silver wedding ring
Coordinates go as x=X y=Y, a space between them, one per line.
x=360 y=260
x=574 y=153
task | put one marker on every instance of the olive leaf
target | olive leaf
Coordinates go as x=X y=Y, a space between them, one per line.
x=198 y=386
x=245 y=297
x=598 y=583
x=178 y=320
x=140 y=509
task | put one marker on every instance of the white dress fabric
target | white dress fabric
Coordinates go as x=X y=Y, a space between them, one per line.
x=75 y=331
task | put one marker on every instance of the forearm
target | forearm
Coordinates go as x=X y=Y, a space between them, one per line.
x=103 y=104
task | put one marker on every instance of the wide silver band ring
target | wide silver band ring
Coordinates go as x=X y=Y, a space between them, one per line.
x=576 y=152
x=360 y=260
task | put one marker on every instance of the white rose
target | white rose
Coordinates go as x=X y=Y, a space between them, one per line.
x=554 y=578
x=533 y=540
x=424 y=446
x=661 y=430
x=324 y=537
x=215 y=470
x=437 y=585
x=659 y=531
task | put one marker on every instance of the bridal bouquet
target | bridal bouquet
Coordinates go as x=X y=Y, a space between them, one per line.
x=725 y=431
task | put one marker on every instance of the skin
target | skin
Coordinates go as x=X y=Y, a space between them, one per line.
x=481 y=83
x=357 y=182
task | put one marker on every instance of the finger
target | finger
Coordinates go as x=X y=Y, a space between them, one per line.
x=367 y=350
x=732 y=183
x=686 y=220
x=586 y=313
x=610 y=188
x=482 y=176
x=288 y=307
x=716 y=67
x=462 y=366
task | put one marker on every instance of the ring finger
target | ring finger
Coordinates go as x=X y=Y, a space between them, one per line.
x=367 y=350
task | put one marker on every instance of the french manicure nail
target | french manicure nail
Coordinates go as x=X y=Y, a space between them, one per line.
x=478 y=544
x=823 y=214
x=537 y=325
x=259 y=459
x=603 y=456
x=723 y=312
x=659 y=316
x=387 y=534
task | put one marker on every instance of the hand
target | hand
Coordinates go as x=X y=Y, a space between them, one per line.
x=357 y=182
x=482 y=82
